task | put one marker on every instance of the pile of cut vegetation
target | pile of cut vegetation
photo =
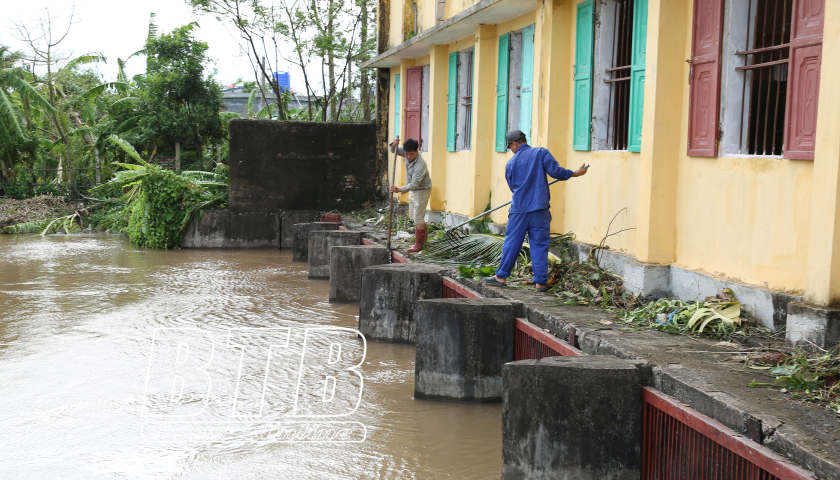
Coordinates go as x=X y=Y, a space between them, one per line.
x=13 y=212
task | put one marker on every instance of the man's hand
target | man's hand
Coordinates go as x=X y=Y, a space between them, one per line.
x=580 y=171
x=394 y=189
x=395 y=142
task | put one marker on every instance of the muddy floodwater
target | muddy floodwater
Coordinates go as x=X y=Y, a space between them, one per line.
x=77 y=319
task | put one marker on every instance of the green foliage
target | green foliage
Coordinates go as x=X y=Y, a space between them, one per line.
x=177 y=103
x=476 y=271
x=718 y=316
x=808 y=375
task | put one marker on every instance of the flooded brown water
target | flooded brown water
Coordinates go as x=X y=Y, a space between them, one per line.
x=77 y=319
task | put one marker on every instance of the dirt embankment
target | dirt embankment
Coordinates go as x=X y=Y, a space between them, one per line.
x=13 y=212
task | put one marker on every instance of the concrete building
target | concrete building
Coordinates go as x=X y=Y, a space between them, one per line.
x=710 y=121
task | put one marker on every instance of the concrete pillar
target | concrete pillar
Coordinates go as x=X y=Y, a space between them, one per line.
x=462 y=344
x=389 y=296
x=483 y=141
x=552 y=107
x=823 y=278
x=288 y=221
x=438 y=91
x=320 y=244
x=346 y=265
x=665 y=77
x=300 y=244
x=572 y=417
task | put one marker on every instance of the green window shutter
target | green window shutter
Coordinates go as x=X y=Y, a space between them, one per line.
x=583 y=77
x=637 y=75
x=451 y=126
x=502 y=92
x=397 y=105
x=527 y=92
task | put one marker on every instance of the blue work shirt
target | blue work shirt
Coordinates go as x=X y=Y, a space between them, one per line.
x=525 y=174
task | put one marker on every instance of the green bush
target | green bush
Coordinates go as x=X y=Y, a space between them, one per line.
x=156 y=217
x=18 y=191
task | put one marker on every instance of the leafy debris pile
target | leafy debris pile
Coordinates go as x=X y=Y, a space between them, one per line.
x=35 y=209
x=811 y=376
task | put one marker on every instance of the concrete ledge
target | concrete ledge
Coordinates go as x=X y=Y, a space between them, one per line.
x=300 y=243
x=288 y=220
x=389 y=297
x=572 y=418
x=694 y=371
x=346 y=265
x=462 y=344
x=651 y=280
x=809 y=324
x=320 y=249
x=223 y=229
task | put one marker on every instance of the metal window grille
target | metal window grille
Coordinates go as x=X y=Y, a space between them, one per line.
x=681 y=443
x=765 y=70
x=465 y=78
x=618 y=77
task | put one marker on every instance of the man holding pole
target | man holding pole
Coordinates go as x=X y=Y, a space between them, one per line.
x=526 y=174
x=418 y=186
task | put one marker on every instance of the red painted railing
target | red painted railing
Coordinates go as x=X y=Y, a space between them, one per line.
x=453 y=289
x=330 y=217
x=681 y=443
x=532 y=343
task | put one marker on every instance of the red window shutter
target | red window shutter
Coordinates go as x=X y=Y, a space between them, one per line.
x=413 y=101
x=704 y=93
x=804 y=78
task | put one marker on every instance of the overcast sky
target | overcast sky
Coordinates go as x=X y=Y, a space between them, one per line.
x=117 y=28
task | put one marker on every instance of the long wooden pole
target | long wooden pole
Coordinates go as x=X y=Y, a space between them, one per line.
x=391 y=200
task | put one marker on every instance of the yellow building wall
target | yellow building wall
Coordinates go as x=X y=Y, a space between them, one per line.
x=746 y=219
x=742 y=218
x=454 y=7
x=395 y=32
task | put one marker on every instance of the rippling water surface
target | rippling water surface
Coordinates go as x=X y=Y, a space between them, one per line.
x=77 y=316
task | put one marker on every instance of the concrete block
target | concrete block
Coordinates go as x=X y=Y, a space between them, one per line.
x=320 y=244
x=300 y=244
x=389 y=295
x=346 y=265
x=572 y=418
x=462 y=344
x=809 y=323
x=290 y=218
x=224 y=229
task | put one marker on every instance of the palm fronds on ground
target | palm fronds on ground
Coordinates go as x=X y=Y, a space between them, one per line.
x=486 y=248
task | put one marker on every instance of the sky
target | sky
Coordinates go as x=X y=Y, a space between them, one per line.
x=118 y=28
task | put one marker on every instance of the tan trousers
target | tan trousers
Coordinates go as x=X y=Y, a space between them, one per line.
x=418 y=200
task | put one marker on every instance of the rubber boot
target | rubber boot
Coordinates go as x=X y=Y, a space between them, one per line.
x=419 y=238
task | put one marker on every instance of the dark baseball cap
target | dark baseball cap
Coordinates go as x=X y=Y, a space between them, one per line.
x=514 y=135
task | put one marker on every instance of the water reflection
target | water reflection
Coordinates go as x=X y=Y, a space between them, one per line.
x=77 y=316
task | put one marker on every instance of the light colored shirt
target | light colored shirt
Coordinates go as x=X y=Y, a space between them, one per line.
x=416 y=172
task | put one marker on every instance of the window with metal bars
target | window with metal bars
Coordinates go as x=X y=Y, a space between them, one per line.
x=465 y=91
x=756 y=52
x=765 y=77
x=617 y=76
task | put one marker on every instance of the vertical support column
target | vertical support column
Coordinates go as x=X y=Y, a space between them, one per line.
x=383 y=116
x=177 y=156
x=823 y=282
x=483 y=116
x=656 y=234
x=553 y=62
x=572 y=417
x=438 y=90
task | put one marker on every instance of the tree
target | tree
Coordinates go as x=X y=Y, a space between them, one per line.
x=177 y=102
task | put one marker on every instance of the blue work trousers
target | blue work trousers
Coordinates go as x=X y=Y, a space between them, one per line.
x=536 y=225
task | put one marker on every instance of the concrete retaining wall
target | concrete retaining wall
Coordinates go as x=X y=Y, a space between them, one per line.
x=302 y=165
x=224 y=229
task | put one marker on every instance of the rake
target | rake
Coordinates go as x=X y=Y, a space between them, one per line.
x=456 y=235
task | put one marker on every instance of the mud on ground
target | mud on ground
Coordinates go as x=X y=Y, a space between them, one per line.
x=34 y=209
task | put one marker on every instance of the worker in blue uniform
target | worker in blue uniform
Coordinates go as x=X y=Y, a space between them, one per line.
x=526 y=176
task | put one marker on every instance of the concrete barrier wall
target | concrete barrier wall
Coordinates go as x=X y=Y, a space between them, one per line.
x=302 y=165
x=224 y=229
